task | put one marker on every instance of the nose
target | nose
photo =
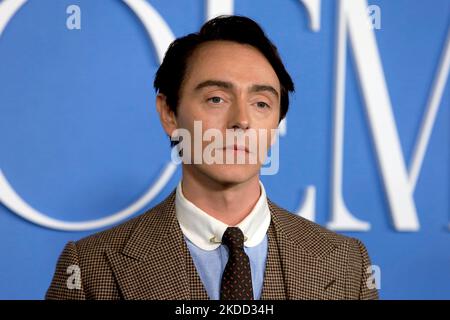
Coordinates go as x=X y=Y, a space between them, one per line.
x=239 y=116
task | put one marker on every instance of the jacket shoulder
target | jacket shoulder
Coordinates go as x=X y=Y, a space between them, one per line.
x=116 y=237
x=112 y=238
x=314 y=238
x=89 y=256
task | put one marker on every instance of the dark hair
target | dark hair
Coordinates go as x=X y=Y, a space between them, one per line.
x=170 y=75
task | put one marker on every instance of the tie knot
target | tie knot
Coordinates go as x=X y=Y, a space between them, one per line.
x=233 y=238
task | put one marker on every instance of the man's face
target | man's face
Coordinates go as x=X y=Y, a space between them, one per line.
x=229 y=86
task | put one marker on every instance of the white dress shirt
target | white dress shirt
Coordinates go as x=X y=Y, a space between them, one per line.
x=206 y=231
x=210 y=257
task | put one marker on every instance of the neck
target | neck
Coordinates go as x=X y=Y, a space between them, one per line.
x=225 y=201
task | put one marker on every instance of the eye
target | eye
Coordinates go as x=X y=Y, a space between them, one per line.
x=215 y=100
x=262 y=105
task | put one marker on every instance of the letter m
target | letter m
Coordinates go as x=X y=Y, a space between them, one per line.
x=398 y=180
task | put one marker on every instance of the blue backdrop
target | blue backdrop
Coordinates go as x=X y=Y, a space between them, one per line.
x=80 y=137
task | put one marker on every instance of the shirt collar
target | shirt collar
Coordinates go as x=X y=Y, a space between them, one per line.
x=199 y=227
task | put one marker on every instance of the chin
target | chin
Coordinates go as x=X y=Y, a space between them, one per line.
x=230 y=173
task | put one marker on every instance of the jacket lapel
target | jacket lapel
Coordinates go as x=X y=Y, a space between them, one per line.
x=155 y=263
x=273 y=283
x=303 y=265
x=197 y=289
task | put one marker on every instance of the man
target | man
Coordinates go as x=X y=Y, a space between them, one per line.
x=217 y=235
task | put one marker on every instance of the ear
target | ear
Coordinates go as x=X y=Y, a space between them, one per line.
x=166 y=115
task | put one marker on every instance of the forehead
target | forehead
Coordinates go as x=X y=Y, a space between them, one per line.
x=229 y=61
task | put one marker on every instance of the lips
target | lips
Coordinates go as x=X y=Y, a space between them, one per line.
x=237 y=148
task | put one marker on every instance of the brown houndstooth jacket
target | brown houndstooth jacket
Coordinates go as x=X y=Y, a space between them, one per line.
x=147 y=258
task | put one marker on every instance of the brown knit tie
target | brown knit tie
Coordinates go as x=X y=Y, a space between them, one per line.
x=237 y=277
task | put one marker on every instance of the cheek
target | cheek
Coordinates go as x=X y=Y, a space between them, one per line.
x=270 y=132
x=207 y=122
x=197 y=126
x=265 y=138
x=194 y=111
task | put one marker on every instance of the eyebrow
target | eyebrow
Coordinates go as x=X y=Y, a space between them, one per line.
x=264 y=87
x=229 y=85
x=214 y=83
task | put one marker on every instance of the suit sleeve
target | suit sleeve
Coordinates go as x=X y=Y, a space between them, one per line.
x=368 y=288
x=67 y=280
